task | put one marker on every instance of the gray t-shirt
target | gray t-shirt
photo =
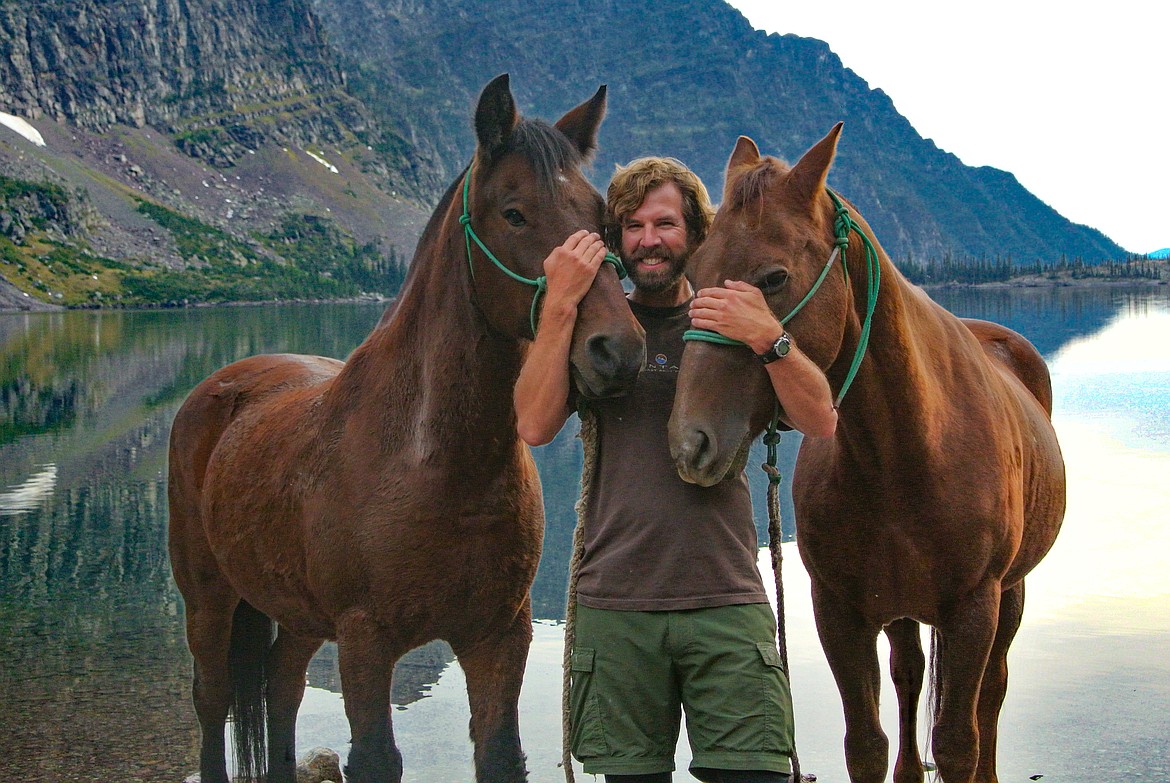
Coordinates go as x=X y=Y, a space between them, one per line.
x=651 y=540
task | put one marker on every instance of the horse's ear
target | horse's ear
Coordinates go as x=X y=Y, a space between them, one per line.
x=807 y=178
x=745 y=154
x=581 y=124
x=495 y=116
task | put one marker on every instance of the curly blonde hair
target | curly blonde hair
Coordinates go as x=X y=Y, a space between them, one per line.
x=630 y=184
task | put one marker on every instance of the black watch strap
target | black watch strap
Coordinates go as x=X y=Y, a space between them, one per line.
x=779 y=349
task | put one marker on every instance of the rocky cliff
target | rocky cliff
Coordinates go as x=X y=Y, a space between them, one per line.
x=205 y=138
x=224 y=76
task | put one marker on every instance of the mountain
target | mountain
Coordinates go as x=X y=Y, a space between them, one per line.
x=195 y=150
x=211 y=150
x=685 y=79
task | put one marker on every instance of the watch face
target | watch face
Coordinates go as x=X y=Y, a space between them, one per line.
x=782 y=345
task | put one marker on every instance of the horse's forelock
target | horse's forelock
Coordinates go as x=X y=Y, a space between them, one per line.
x=547 y=150
x=748 y=187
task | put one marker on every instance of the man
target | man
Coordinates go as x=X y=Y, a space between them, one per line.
x=671 y=613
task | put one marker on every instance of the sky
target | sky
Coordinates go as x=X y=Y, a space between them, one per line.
x=1071 y=98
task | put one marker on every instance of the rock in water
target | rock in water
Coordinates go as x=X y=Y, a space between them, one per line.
x=319 y=765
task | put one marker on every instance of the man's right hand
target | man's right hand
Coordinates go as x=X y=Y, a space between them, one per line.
x=570 y=269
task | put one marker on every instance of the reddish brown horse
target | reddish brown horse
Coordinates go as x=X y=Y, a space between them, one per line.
x=941 y=488
x=388 y=501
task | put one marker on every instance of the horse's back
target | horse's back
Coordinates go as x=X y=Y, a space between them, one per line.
x=1013 y=352
x=208 y=413
x=216 y=402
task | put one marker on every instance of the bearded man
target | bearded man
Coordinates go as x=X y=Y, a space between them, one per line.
x=670 y=613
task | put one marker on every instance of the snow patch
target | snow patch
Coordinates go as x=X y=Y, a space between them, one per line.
x=23 y=128
x=322 y=161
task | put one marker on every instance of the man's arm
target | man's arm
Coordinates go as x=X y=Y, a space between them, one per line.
x=738 y=311
x=541 y=397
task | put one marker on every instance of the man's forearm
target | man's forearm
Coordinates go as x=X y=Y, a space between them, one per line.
x=542 y=389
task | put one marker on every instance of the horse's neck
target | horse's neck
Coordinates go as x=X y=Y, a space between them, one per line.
x=894 y=407
x=435 y=374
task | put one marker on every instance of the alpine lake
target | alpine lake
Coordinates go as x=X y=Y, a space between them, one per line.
x=94 y=669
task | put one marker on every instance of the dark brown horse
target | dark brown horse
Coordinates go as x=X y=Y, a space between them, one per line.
x=387 y=501
x=941 y=488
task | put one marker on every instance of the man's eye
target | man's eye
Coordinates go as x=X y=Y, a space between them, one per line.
x=514 y=217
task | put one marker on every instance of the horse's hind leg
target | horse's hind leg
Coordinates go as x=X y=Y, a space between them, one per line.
x=995 y=678
x=366 y=659
x=907 y=664
x=209 y=630
x=287 y=661
x=494 y=668
x=849 y=643
x=966 y=633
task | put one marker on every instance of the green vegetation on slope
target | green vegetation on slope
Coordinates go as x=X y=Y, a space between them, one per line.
x=306 y=257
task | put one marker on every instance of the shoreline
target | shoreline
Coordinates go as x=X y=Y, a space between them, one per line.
x=1025 y=282
x=45 y=307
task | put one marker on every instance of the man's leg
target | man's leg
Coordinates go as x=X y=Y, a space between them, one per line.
x=624 y=700
x=735 y=694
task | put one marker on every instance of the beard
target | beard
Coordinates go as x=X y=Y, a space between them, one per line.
x=660 y=277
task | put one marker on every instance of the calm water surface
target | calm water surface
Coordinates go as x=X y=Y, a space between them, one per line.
x=95 y=674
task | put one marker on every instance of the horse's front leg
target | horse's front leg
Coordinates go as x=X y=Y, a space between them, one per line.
x=907 y=664
x=995 y=679
x=494 y=667
x=966 y=634
x=287 y=661
x=365 y=659
x=849 y=643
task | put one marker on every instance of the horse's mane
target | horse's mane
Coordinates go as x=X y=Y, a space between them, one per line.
x=749 y=186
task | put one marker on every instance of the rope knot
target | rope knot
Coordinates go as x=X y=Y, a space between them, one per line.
x=842 y=225
x=541 y=285
x=465 y=220
x=771 y=438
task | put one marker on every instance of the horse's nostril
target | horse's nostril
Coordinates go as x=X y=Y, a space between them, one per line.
x=609 y=360
x=696 y=451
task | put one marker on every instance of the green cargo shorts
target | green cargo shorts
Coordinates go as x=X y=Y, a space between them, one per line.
x=635 y=673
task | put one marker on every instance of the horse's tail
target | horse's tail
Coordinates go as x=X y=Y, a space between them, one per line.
x=251 y=640
x=933 y=689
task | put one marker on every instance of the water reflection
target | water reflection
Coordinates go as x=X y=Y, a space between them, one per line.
x=95 y=675
x=27 y=496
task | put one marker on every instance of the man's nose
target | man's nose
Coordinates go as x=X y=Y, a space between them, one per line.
x=650 y=237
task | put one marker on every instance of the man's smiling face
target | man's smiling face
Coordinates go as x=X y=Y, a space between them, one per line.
x=654 y=242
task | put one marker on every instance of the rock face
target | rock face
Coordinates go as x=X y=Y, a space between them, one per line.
x=685 y=79
x=223 y=75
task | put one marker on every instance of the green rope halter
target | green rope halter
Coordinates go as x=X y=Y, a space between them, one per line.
x=540 y=283
x=843 y=225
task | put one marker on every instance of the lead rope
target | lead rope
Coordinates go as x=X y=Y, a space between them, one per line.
x=775 y=536
x=588 y=437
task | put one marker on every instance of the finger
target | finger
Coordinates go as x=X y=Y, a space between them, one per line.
x=738 y=285
x=575 y=239
x=711 y=293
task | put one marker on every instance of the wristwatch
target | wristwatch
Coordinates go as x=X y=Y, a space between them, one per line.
x=779 y=349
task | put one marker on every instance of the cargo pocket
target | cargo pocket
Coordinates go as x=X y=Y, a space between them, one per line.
x=587 y=734
x=778 y=734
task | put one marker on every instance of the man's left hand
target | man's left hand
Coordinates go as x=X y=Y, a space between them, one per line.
x=737 y=311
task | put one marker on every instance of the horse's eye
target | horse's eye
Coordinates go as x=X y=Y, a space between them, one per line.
x=514 y=217
x=773 y=281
